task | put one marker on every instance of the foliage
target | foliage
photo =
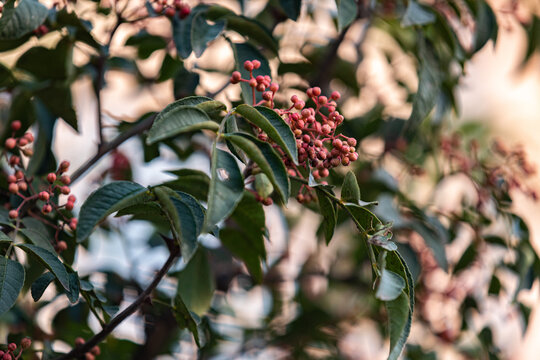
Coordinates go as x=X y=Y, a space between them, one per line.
x=267 y=154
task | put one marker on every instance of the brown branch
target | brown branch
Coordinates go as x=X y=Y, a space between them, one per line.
x=105 y=148
x=117 y=320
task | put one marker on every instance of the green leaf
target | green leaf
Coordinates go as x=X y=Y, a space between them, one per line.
x=273 y=125
x=226 y=188
x=184 y=318
x=190 y=181
x=292 y=8
x=182 y=31
x=486 y=25
x=400 y=310
x=390 y=286
x=50 y=261
x=4 y=238
x=434 y=241
x=19 y=21
x=245 y=26
x=350 y=192
x=40 y=285
x=146 y=43
x=74 y=288
x=417 y=14
x=466 y=258
x=202 y=33
x=242 y=53
x=177 y=119
x=266 y=159
x=11 y=283
x=183 y=222
x=246 y=239
x=347 y=11
x=106 y=200
x=196 y=283
x=37 y=233
x=426 y=95
x=328 y=211
x=364 y=216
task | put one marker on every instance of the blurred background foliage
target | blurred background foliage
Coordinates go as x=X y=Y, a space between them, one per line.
x=445 y=186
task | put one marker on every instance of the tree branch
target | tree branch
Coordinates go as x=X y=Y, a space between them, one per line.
x=117 y=320
x=105 y=148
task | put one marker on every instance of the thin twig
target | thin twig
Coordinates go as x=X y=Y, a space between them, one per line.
x=105 y=148
x=117 y=320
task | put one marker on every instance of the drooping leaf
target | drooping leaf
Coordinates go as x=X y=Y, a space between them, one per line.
x=11 y=283
x=196 y=283
x=226 y=188
x=486 y=27
x=202 y=33
x=146 y=43
x=242 y=53
x=40 y=285
x=350 y=192
x=190 y=181
x=262 y=154
x=182 y=29
x=37 y=233
x=106 y=200
x=245 y=26
x=74 y=288
x=417 y=14
x=177 y=119
x=273 y=125
x=390 y=286
x=292 y=8
x=466 y=258
x=328 y=211
x=434 y=241
x=21 y=20
x=347 y=10
x=50 y=261
x=183 y=222
x=185 y=319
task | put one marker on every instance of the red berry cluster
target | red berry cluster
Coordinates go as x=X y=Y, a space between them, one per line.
x=21 y=185
x=319 y=147
x=170 y=10
x=9 y=354
x=91 y=355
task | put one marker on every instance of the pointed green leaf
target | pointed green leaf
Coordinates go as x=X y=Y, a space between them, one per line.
x=11 y=283
x=266 y=158
x=350 y=192
x=486 y=27
x=328 y=211
x=202 y=33
x=182 y=29
x=37 y=233
x=291 y=8
x=185 y=319
x=41 y=284
x=196 y=283
x=74 y=288
x=106 y=200
x=347 y=11
x=177 y=119
x=226 y=188
x=21 y=20
x=193 y=182
x=417 y=14
x=273 y=125
x=50 y=261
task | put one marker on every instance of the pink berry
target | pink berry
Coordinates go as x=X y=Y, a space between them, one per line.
x=10 y=143
x=26 y=343
x=256 y=64
x=51 y=177
x=65 y=190
x=335 y=95
x=11 y=178
x=316 y=91
x=69 y=206
x=13 y=188
x=44 y=196
x=16 y=125
x=71 y=198
x=13 y=214
x=248 y=65
x=65 y=179
x=64 y=166
x=184 y=12
x=235 y=77
x=23 y=141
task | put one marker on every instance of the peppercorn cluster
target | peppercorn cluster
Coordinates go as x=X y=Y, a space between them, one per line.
x=172 y=9
x=320 y=148
x=21 y=185
x=9 y=354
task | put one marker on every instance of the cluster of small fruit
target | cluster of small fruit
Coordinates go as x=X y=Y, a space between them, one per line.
x=9 y=354
x=319 y=147
x=20 y=184
x=171 y=9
